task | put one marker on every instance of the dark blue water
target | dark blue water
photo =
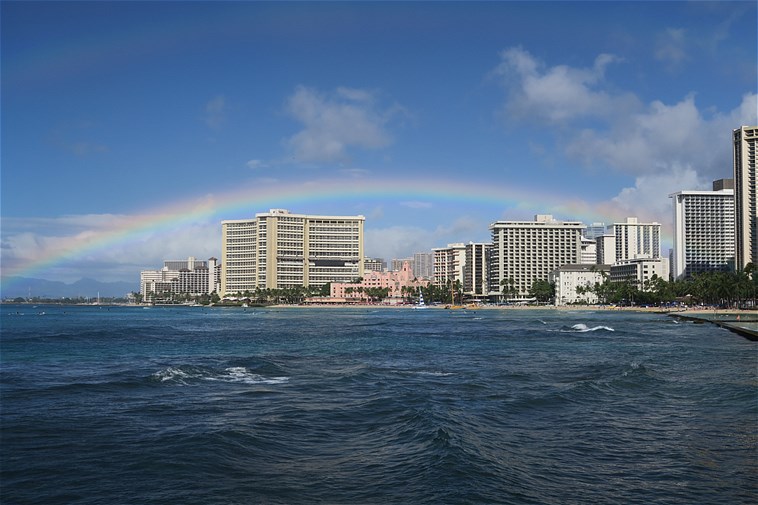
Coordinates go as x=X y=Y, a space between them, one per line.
x=233 y=406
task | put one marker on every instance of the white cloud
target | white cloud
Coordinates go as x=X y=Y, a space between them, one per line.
x=80 y=247
x=255 y=164
x=648 y=198
x=555 y=94
x=662 y=137
x=333 y=124
x=670 y=47
x=665 y=156
x=404 y=241
x=395 y=241
x=625 y=135
x=215 y=112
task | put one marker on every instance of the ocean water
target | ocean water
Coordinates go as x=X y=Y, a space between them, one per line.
x=185 y=405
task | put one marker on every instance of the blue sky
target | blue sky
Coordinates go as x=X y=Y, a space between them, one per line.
x=115 y=111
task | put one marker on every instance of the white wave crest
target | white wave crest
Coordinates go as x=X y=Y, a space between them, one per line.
x=433 y=374
x=243 y=375
x=175 y=374
x=583 y=328
x=183 y=375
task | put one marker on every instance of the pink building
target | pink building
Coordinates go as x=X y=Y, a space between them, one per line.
x=394 y=281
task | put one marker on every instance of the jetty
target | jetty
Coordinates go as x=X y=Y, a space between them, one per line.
x=742 y=323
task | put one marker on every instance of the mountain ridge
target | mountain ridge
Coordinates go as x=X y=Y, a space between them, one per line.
x=26 y=287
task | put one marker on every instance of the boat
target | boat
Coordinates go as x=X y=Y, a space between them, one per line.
x=420 y=304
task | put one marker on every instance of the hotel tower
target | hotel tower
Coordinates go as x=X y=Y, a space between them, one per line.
x=278 y=249
x=703 y=230
x=525 y=251
x=746 y=235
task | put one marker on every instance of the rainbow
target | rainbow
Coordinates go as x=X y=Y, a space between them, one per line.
x=245 y=201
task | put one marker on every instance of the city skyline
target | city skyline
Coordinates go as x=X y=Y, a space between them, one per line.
x=131 y=130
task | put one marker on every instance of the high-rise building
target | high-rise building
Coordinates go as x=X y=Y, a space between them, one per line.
x=423 y=265
x=374 y=265
x=476 y=269
x=746 y=228
x=628 y=240
x=636 y=240
x=703 y=230
x=589 y=251
x=449 y=263
x=605 y=249
x=594 y=230
x=397 y=264
x=526 y=251
x=278 y=249
x=188 y=276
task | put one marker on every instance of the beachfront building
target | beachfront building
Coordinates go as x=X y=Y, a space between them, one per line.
x=476 y=270
x=628 y=240
x=636 y=240
x=703 y=230
x=745 y=139
x=278 y=249
x=423 y=265
x=399 y=284
x=374 y=265
x=605 y=249
x=573 y=283
x=190 y=276
x=640 y=271
x=527 y=251
x=589 y=251
x=449 y=263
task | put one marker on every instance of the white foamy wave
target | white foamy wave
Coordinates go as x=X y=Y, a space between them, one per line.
x=186 y=374
x=175 y=374
x=434 y=374
x=245 y=376
x=583 y=328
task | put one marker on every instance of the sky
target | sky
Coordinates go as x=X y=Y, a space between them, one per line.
x=130 y=130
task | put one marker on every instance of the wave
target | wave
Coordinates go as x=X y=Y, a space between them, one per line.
x=187 y=374
x=583 y=328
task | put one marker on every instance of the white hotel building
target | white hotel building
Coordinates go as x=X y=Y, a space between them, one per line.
x=526 y=251
x=449 y=264
x=745 y=141
x=629 y=240
x=277 y=249
x=703 y=230
x=190 y=276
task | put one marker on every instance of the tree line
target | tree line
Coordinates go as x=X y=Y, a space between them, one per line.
x=716 y=288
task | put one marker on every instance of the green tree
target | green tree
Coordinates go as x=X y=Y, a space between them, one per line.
x=542 y=290
x=508 y=288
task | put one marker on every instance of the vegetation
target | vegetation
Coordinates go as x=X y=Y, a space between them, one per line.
x=542 y=290
x=722 y=289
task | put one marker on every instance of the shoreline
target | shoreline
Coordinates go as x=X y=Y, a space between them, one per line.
x=561 y=308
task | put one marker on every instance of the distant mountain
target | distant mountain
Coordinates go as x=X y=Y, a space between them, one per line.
x=22 y=286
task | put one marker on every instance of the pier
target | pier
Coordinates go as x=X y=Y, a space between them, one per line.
x=742 y=323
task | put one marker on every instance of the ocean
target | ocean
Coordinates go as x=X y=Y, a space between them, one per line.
x=190 y=405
